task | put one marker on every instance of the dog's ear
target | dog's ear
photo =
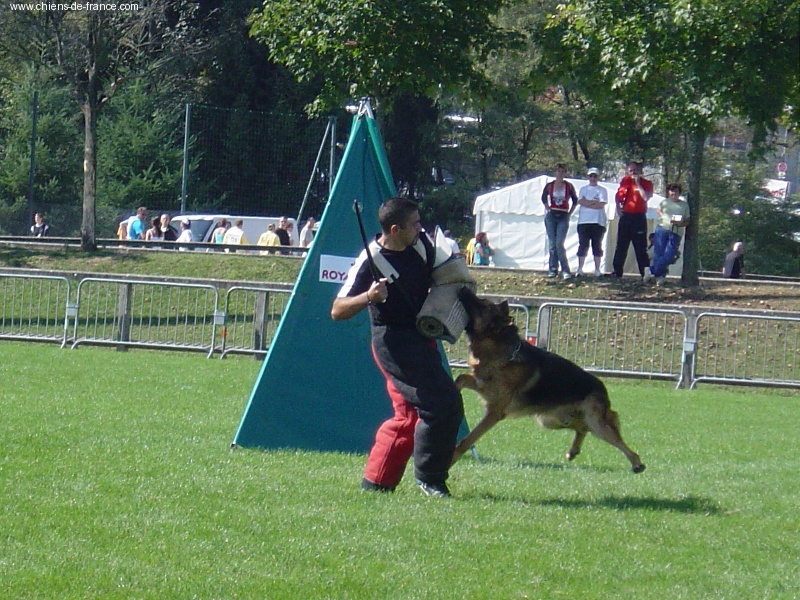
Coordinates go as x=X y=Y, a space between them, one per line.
x=505 y=315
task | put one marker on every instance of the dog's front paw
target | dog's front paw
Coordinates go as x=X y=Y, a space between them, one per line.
x=465 y=381
x=638 y=468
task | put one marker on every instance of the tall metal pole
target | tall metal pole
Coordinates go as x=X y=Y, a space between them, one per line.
x=185 y=171
x=313 y=172
x=32 y=167
x=332 y=161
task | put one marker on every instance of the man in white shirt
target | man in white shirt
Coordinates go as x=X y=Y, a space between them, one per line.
x=186 y=233
x=453 y=244
x=592 y=221
x=307 y=233
x=235 y=235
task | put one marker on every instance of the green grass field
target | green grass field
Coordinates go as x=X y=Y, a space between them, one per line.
x=118 y=482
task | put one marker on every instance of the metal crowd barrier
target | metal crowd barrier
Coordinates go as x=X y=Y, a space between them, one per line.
x=252 y=316
x=150 y=314
x=747 y=349
x=624 y=340
x=34 y=307
x=685 y=344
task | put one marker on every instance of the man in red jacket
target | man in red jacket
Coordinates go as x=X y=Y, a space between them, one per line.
x=632 y=196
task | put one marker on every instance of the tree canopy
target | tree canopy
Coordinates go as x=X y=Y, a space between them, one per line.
x=584 y=82
x=382 y=48
x=95 y=52
x=681 y=65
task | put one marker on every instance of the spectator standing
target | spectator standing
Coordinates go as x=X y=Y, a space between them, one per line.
x=592 y=221
x=733 y=267
x=39 y=227
x=235 y=235
x=452 y=243
x=154 y=234
x=632 y=196
x=559 y=199
x=167 y=231
x=427 y=405
x=673 y=216
x=483 y=251
x=469 y=252
x=136 y=224
x=218 y=235
x=269 y=238
x=307 y=233
x=283 y=234
x=186 y=233
x=290 y=231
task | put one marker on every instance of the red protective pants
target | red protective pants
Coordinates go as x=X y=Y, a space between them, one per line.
x=394 y=441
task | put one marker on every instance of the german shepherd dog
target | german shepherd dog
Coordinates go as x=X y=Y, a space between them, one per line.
x=515 y=379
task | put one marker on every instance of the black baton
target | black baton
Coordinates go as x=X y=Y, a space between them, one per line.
x=376 y=274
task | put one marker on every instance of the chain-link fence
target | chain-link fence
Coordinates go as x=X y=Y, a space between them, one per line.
x=232 y=161
x=256 y=163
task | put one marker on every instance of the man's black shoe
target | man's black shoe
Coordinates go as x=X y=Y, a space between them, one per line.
x=434 y=490
x=371 y=486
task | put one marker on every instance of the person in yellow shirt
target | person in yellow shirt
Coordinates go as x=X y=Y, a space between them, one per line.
x=269 y=238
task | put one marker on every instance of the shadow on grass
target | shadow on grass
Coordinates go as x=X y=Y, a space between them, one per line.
x=564 y=466
x=689 y=505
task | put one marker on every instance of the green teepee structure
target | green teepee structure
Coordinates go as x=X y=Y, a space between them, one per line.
x=319 y=388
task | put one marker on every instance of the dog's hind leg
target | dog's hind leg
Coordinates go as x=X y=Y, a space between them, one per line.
x=577 y=442
x=604 y=423
x=567 y=417
x=489 y=420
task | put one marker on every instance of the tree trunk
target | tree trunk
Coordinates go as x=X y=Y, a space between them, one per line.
x=587 y=157
x=89 y=108
x=484 y=163
x=691 y=261
x=88 y=237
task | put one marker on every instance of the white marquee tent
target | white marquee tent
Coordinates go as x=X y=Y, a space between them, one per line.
x=513 y=219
